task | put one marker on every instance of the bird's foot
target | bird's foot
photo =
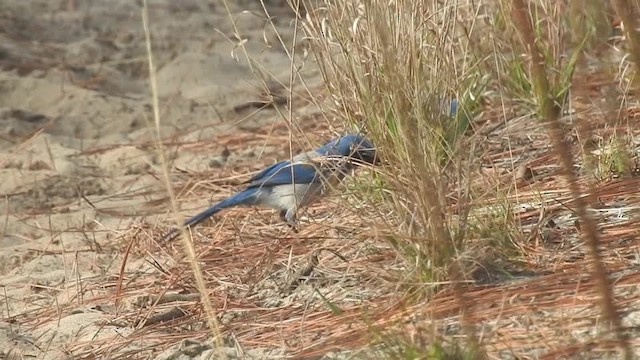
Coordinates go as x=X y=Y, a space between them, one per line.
x=289 y=220
x=293 y=227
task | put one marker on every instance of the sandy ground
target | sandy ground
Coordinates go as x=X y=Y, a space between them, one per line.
x=77 y=168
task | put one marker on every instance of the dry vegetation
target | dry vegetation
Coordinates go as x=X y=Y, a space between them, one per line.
x=506 y=230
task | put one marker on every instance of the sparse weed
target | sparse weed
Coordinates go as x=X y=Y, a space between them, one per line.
x=610 y=158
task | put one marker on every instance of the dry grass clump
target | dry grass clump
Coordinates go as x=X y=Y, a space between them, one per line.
x=393 y=69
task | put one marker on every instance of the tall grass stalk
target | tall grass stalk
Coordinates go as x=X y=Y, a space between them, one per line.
x=629 y=12
x=550 y=107
x=212 y=319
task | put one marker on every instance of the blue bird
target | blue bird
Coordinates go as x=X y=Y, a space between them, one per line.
x=291 y=185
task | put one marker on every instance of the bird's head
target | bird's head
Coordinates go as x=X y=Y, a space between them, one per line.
x=356 y=147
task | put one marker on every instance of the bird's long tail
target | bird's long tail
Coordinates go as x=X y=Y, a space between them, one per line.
x=246 y=197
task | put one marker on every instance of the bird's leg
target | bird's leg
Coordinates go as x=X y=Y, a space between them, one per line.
x=283 y=215
x=289 y=217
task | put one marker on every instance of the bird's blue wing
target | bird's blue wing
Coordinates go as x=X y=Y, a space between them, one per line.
x=268 y=170
x=285 y=173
